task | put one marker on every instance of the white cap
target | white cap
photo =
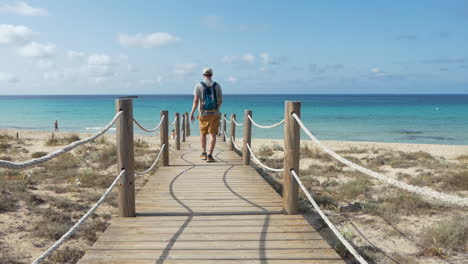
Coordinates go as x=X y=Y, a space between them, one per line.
x=207 y=71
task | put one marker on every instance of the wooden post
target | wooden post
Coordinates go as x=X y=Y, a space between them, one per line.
x=247 y=137
x=183 y=127
x=224 y=127
x=125 y=157
x=291 y=157
x=187 y=134
x=177 y=131
x=233 y=132
x=164 y=138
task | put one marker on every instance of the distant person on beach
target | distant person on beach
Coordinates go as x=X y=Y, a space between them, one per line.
x=208 y=97
x=56 y=126
x=173 y=134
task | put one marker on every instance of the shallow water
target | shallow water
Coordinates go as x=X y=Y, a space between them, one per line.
x=434 y=119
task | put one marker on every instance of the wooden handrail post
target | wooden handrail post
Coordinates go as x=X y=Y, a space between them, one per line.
x=224 y=127
x=187 y=125
x=291 y=156
x=177 y=131
x=183 y=127
x=233 y=132
x=125 y=157
x=247 y=137
x=164 y=138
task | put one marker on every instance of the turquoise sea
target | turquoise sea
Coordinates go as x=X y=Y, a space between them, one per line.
x=434 y=119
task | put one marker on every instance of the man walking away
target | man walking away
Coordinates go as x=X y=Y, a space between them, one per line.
x=56 y=126
x=208 y=97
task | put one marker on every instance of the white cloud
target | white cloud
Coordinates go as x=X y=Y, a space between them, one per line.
x=12 y=34
x=35 y=49
x=249 y=58
x=22 y=8
x=152 y=40
x=97 y=70
x=246 y=58
x=45 y=64
x=8 y=77
x=99 y=59
x=72 y=54
x=266 y=58
x=185 y=69
x=232 y=79
x=216 y=23
x=376 y=70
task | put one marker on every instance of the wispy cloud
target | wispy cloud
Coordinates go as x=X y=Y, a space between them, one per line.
x=217 y=23
x=251 y=58
x=152 y=40
x=8 y=77
x=185 y=69
x=23 y=9
x=15 y=35
x=453 y=59
x=319 y=69
x=73 y=54
x=35 y=49
x=99 y=59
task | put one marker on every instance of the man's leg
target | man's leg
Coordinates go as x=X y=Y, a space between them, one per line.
x=203 y=142
x=212 y=143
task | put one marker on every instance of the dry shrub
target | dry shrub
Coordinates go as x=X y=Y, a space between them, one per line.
x=67 y=205
x=60 y=169
x=446 y=237
x=92 y=229
x=57 y=141
x=106 y=156
x=92 y=178
x=53 y=224
x=463 y=158
x=314 y=153
x=403 y=160
x=38 y=154
x=352 y=150
x=66 y=255
x=354 y=188
x=456 y=181
x=401 y=203
x=265 y=151
x=140 y=143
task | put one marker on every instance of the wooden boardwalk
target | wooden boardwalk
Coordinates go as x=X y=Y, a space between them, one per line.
x=198 y=212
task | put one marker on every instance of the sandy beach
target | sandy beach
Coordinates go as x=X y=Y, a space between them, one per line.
x=395 y=233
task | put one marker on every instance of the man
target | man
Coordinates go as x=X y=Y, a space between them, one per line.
x=208 y=97
x=56 y=126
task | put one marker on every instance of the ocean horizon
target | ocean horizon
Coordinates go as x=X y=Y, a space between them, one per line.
x=403 y=118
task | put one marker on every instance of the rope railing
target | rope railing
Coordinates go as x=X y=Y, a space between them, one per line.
x=337 y=233
x=75 y=227
x=260 y=163
x=237 y=124
x=153 y=164
x=263 y=126
x=173 y=122
x=225 y=119
x=426 y=192
x=150 y=130
x=67 y=148
x=234 y=143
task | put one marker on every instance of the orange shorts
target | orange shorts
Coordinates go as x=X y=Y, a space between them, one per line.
x=209 y=124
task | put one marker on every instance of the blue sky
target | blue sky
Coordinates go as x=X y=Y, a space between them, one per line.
x=153 y=47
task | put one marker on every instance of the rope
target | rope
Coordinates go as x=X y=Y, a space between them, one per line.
x=260 y=163
x=237 y=124
x=234 y=143
x=154 y=163
x=226 y=119
x=150 y=130
x=173 y=122
x=67 y=148
x=408 y=187
x=337 y=233
x=271 y=126
x=75 y=227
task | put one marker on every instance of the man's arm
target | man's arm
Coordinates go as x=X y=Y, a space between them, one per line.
x=196 y=99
